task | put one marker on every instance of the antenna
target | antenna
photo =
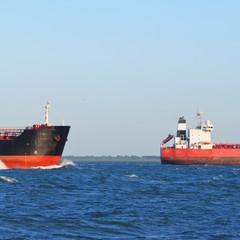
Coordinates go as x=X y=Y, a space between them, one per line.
x=46 y=111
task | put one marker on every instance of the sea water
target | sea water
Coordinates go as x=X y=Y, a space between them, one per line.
x=120 y=200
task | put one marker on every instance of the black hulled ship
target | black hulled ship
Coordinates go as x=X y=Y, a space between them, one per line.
x=38 y=145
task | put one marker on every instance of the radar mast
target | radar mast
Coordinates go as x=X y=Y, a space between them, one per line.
x=199 y=119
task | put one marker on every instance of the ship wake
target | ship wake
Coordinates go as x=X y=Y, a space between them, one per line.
x=64 y=164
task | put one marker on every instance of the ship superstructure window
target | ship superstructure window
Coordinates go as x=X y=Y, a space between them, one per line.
x=183 y=137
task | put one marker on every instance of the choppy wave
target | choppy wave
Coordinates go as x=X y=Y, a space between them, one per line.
x=8 y=179
x=106 y=200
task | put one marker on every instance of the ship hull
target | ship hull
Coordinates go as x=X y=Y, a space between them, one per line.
x=26 y=162
x=200 y=156
x=40 y=145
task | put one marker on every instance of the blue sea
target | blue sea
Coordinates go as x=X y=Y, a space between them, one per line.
x=120 y=199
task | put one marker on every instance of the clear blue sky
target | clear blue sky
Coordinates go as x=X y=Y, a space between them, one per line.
x=120 y=72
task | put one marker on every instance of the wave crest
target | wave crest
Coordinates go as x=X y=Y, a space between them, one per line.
x=8 y=179
x=132 y=176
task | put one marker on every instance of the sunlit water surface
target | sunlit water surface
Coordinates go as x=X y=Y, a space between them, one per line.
x=120 y=200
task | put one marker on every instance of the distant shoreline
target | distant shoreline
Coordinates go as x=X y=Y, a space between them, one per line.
x=113 y=158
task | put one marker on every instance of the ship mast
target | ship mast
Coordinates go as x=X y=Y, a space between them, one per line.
x=199 y=119
x=46 y=111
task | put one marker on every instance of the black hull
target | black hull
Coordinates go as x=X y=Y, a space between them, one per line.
x=36 y=141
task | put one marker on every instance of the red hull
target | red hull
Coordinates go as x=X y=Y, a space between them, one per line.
x=200 y=156
x=25 y=162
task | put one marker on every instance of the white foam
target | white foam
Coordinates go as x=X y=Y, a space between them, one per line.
x=132 y=176
x=67 y=162
x=48 y=167
x=64 y=163
x=8 y=179
x=2 y=166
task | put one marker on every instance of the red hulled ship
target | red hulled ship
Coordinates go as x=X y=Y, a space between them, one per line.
x=194 y=146
x=34 y=146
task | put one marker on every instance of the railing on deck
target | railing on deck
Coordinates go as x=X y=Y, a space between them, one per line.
x=10 y=132
x=226 y=146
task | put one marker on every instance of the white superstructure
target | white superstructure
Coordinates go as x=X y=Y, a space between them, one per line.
x=181 y=137
x=198 y=137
